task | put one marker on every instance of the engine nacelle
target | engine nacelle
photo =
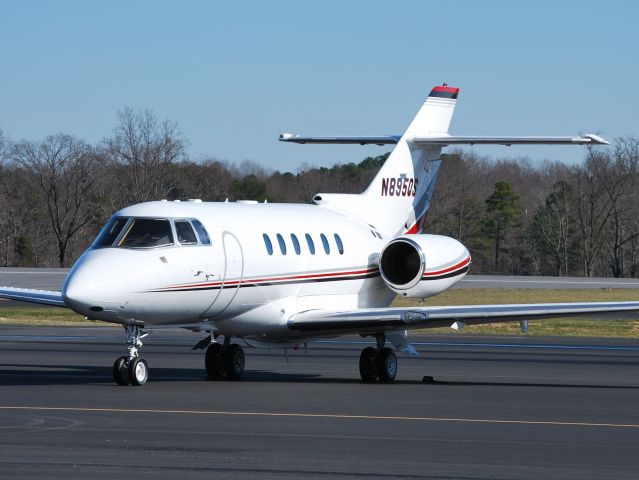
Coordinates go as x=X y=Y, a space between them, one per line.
x=423 y=265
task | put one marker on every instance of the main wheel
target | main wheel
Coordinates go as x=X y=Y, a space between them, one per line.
x=386 y=363
x=233 y=359
x=138 y=371
x=367 y=367
x=120 y=373
x=213 y=362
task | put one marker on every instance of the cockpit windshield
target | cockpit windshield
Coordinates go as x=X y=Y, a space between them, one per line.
x=110 y=232
x=130 y=232
x=148 y=232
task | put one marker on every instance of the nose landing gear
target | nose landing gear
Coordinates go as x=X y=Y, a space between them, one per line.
x=378 y=364
x=131 y=369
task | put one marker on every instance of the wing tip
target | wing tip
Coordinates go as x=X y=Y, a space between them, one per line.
x=596 y=139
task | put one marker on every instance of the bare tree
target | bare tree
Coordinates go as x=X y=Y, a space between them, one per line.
x=209 y=180
x=142 y=150
x=552 y=225
x=593 y=206
x=622 y=193
x=19 y=211
x=64 y=169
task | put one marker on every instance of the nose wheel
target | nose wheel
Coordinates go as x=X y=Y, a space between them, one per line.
x=131 y=369
x=120 y=371
x=378 y=364
x=138 y=371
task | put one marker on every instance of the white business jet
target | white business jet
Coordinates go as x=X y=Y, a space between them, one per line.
x=278 y=275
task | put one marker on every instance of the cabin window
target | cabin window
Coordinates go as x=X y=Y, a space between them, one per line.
x=201 y=232
x=110 y=232
x=185 y=233
x=327 y=247
x=268 y=244
x=280 y=240
x=296 y=244
x=340 y=245
x=311 y=244
x=148 y=233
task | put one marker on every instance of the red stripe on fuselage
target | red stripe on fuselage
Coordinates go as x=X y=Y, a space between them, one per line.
x=461 y=264
x=249 y=281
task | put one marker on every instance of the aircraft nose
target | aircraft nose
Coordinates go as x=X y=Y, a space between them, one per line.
x=92 y=287
x=79 y=291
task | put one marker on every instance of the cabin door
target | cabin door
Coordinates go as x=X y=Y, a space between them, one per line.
x=231 y=278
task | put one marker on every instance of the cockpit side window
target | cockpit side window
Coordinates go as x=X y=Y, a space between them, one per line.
x=110 y=232
x=185 y=233
x=147 y=233
x=201 y=232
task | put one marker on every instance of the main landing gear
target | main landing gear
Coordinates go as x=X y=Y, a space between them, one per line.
x=131 y=369
x=378 y=364
x=224 y=360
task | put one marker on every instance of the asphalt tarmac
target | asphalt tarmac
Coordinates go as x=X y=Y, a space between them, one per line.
x=499 y=408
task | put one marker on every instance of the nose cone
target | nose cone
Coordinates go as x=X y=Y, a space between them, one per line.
x=92 y=287
x=77 y=291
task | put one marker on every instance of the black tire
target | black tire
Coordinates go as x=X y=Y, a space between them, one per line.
x=120 y=371
x=138 y=371
x=213 y=362
x=386 y=363
x=367 y=367
x=233 y=358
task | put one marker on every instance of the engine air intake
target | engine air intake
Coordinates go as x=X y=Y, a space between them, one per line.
x=423 y=265
x=401 y=262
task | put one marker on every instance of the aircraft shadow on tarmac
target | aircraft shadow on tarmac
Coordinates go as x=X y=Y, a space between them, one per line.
x=21 y=375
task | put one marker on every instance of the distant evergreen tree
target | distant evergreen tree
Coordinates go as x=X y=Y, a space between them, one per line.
x=249 y=188
x=502 y=213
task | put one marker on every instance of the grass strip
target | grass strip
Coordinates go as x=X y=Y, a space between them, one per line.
x=44 y=317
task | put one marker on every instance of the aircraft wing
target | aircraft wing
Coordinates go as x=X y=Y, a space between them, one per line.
x=44 y=297
x=589 y=139
x=375 y=320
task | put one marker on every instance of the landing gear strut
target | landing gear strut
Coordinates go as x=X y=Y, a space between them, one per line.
x=131 y=369
x=378 y=364
x=224 y=360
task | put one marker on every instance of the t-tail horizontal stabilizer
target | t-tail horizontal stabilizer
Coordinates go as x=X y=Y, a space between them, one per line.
x=367 y=140
x=443 y=140
x=398 y=198
x=589 y=139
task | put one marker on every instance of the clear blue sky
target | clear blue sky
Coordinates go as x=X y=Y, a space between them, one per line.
x=236 y=74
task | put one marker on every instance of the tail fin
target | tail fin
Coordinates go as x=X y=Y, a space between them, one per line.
x=398 y=198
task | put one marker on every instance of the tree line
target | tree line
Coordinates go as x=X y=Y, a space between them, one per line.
x=549 y=219
x=516 y=217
